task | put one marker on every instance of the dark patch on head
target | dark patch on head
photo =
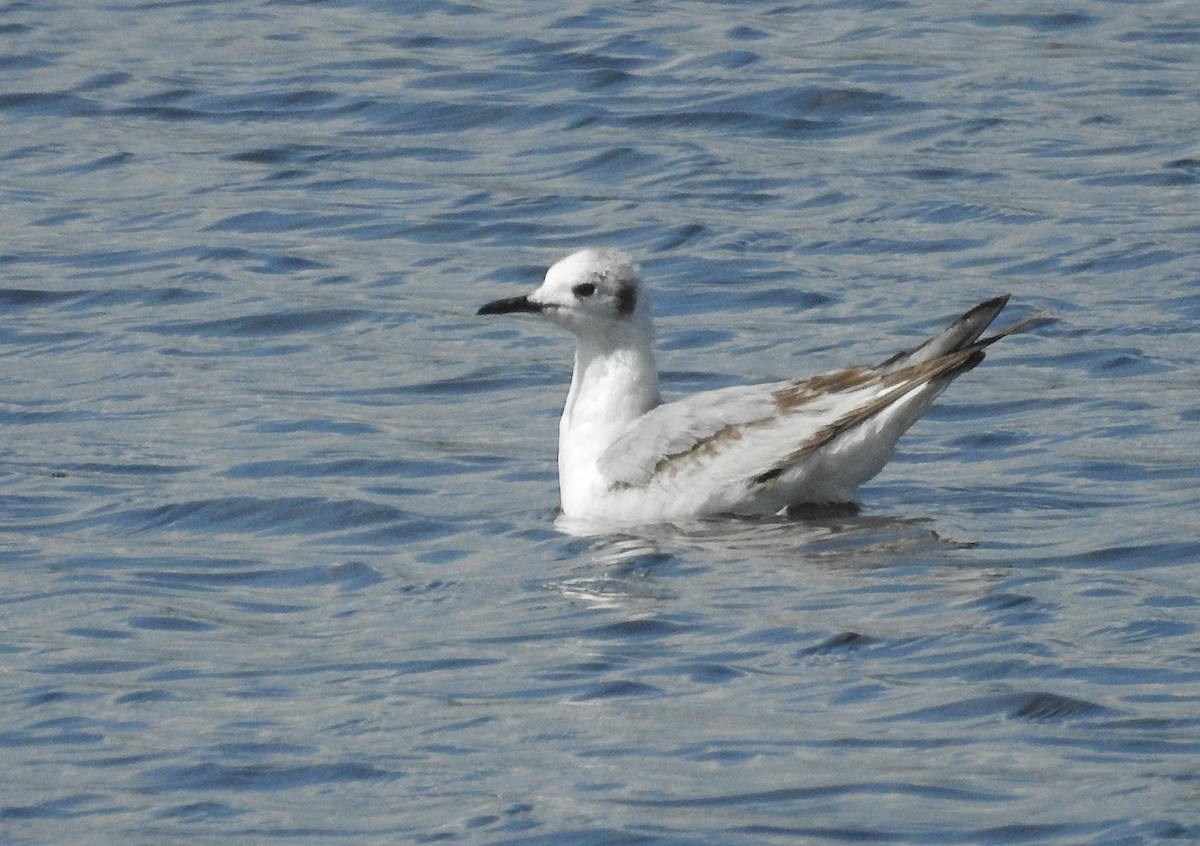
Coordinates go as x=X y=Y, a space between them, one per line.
x=626 y=297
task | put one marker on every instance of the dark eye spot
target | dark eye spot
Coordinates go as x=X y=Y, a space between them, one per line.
x=584 y=289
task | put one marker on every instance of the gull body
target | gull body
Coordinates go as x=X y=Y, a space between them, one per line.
x=626 y=457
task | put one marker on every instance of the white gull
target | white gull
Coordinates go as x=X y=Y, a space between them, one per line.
x=626 y=457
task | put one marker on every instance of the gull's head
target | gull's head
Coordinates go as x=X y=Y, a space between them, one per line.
x=594 y=293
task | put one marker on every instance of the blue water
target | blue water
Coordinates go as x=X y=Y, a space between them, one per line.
x=279 y=552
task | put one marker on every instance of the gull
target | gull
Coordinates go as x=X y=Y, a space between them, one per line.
x=626 y=457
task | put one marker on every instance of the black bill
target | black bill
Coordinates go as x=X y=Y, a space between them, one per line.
x=511 y=305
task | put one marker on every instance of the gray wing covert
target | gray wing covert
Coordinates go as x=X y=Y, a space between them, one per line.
x=675 y=428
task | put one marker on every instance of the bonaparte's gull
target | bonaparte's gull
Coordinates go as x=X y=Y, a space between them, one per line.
x=626 y=457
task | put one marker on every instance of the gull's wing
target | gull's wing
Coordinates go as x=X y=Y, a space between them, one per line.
x=678 y=428
x=958 y=335
x=778 y=425
x=793 y=418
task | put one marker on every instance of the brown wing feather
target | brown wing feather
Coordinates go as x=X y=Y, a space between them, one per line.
x=894 y=382
x=909 y=378
x=904 y=381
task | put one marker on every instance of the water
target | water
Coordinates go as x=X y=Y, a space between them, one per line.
x=278 y=513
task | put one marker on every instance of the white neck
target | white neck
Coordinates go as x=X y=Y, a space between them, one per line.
x=615 y=382
x=611 y=386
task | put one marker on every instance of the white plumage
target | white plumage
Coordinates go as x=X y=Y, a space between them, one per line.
x=625 y=457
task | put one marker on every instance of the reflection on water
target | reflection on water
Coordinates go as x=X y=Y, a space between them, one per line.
x=643 y=563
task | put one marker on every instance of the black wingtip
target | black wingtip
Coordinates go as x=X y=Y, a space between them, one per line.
x=959 y=335
x=994 y=304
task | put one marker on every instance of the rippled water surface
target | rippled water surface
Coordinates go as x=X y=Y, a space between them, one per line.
x=278 y=512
